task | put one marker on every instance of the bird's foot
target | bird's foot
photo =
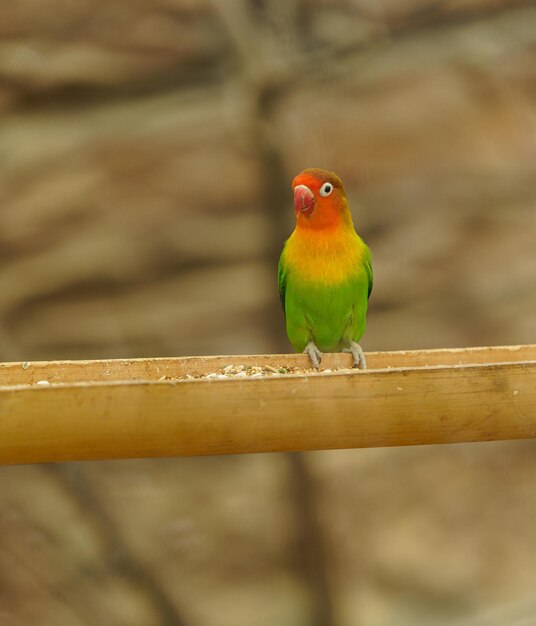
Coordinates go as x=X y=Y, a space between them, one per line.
x=357 y=354
x=314 y=354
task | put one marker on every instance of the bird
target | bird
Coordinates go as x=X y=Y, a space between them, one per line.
x=325 y=271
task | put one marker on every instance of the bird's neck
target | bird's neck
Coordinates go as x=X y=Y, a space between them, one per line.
x=331 y=242
x=328 y=255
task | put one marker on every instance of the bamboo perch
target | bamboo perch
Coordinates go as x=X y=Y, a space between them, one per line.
x=118 y=409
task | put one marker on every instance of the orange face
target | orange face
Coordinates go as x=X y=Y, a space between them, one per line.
x=319 y=199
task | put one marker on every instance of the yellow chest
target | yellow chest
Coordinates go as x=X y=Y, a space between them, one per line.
x=318 y=258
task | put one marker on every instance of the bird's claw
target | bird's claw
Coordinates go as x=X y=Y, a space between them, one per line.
x=314 y=354
x=357 y=354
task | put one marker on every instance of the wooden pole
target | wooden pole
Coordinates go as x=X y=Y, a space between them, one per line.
x=137 y=408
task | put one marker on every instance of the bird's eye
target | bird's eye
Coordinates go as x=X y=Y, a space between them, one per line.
x=326 y=189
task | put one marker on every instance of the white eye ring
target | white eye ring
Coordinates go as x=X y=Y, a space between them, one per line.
x=326 y=189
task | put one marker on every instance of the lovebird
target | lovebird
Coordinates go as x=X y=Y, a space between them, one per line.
x=325 y=271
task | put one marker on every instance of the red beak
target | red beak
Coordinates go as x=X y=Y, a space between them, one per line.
x=304 y=200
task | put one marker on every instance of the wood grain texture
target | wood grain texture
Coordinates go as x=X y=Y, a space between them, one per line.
x=108 y=370
x=130 y=415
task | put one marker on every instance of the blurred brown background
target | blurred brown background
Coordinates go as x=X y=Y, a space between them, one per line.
x=146 y=153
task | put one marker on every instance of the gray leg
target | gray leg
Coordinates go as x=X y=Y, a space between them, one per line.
x=357 y=353
x=314 y=354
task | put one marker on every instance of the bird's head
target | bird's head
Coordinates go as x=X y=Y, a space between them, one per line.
x=320 y=200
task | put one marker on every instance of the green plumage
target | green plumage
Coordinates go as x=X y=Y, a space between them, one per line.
x=329 y=314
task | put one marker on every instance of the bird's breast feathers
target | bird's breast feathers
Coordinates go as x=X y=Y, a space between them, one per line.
x=319 y=258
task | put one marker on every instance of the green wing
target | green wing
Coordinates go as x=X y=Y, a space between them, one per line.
x=368 y=270
x=282 y=281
